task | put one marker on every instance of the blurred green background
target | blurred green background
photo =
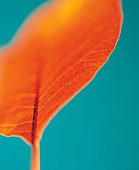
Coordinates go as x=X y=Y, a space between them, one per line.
x=104 y=134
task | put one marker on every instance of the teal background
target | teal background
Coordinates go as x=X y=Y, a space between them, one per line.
x=104 y=134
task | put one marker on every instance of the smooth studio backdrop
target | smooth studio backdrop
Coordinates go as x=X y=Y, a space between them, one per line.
x=104 y=134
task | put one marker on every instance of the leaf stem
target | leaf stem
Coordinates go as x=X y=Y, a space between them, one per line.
x=36 y=156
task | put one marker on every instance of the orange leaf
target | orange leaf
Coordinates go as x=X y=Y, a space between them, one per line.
x=55 y=54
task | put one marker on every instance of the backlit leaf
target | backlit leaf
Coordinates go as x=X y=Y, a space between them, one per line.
x=55 y=54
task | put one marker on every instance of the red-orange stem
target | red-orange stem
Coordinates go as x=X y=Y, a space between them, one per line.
x=36 y=156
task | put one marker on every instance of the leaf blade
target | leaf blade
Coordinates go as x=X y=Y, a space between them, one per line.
x=49 y=64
